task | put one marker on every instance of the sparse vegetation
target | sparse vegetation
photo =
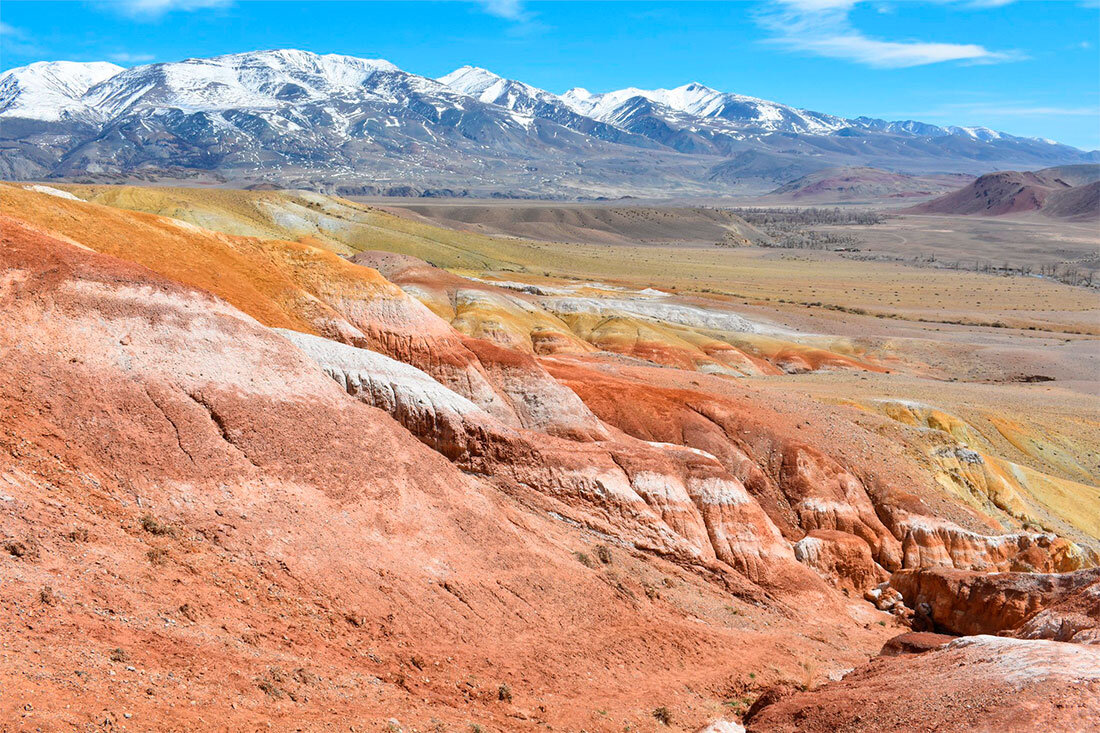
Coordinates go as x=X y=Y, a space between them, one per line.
x=48 y=596
x=157 y=556
x=584 y=559
x=792 y=228
x=603 y=554
x=504 y=693
x=663 y=715
x=154 y=527
x=16 y=548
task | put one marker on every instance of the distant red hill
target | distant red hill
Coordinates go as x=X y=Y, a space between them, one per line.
x=1071 y=193
x=854 y=184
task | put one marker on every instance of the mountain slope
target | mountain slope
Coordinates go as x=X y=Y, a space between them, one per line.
x=849 y=184
x=340 y=123
x=1013 y=192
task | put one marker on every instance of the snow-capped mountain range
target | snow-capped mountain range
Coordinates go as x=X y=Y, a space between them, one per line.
x=342 y=122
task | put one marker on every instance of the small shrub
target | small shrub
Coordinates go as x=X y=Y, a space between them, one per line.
x=270 y=689
x=119 y=655
x=663 y=715
x=47 y=596
x=603 y=554
x=157 y=556
x=150 y=524
x=303 y=676
x=15 y=548
x=78 y=534
x=584 y=559
x=504 y=693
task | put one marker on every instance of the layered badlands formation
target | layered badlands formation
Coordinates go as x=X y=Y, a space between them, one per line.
x=246 y=478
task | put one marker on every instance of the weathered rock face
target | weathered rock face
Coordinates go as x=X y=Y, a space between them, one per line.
x=843 y=559
x=930 y=542
x=978 y=683
x=825 y=496
x=967 y=602
x=664 y=498
x=800 y=487
x=1075 y=618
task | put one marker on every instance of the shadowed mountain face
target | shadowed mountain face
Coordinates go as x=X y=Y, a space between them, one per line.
x=863 y=184
x=364 y=126
x=1071 y=193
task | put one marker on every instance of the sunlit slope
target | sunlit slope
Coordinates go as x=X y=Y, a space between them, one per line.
x=280 y=283
x=811 y=279
x=968 y=465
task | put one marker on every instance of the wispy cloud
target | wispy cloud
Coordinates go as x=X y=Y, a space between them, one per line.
x=509 y=9
x=16 y=42
x=824 y=28
x=125 y=57
x=1012 y=110
x=523 y=24
x=157 y=8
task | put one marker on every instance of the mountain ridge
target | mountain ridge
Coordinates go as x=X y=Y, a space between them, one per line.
x=325 y=121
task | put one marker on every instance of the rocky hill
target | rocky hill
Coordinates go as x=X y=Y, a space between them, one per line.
x=863 y=184
x=1010 y=192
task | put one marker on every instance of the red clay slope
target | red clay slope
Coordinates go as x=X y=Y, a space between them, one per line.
x=1012 y=192
x=203 y=531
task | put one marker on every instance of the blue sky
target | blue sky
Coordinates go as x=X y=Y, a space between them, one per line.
x=1025 y=67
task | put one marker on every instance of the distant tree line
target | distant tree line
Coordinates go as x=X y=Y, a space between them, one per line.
x=787 y=217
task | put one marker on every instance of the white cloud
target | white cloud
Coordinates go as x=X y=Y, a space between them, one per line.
x=8 y=31
x=1015 y=110
x=510 y=9
x=824 y=28
x=125 y=57
x=157 y=8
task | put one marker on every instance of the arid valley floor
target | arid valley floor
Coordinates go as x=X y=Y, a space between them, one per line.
x=282 y=460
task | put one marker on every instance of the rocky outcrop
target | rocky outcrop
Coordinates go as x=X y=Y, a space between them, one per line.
x=1074 y=618
x=978 y=683
x=842 y=559
x=968 y=602
x=663 y=498
x=914 y=642
x=803 y=489
x=933 y=542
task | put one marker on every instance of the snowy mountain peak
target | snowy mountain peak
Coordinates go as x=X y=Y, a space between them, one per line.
x=256 y=79
x=472 y=80
x=491 y=88
x=51 y=90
